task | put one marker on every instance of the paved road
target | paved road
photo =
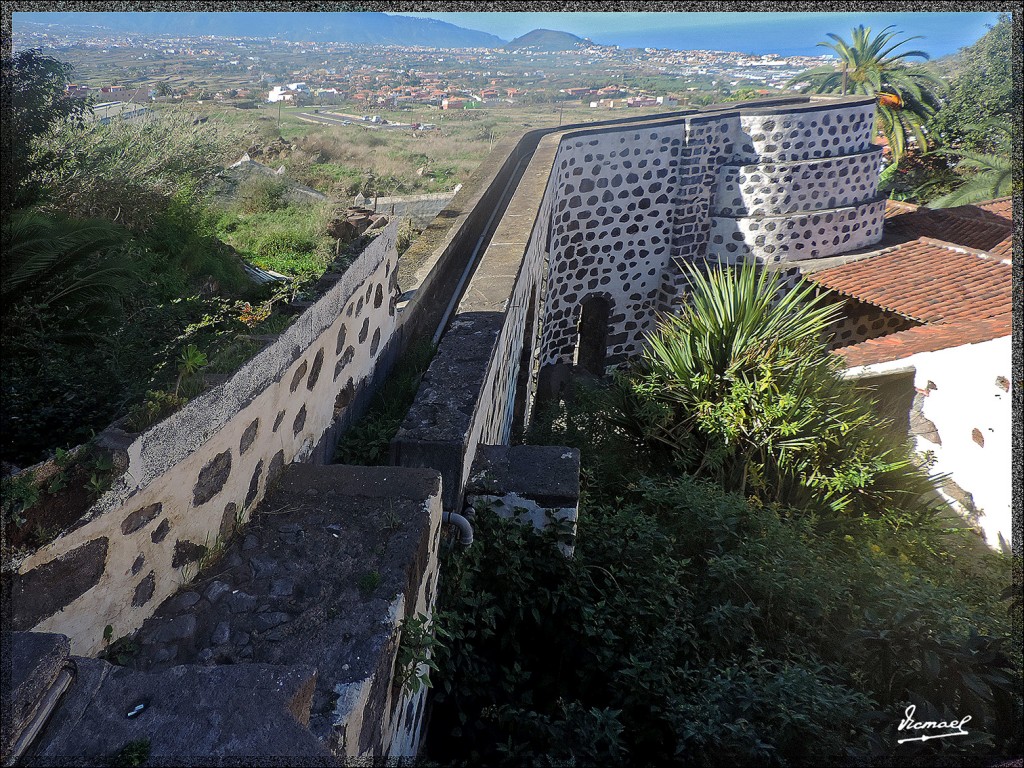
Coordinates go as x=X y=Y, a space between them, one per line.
x=340 y=118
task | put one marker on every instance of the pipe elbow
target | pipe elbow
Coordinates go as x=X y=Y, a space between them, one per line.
x=464 y=526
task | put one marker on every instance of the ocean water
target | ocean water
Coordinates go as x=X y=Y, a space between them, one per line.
x=788 y=34
x=798 y=34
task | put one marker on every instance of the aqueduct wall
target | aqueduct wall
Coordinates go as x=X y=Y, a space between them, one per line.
x=603 y=213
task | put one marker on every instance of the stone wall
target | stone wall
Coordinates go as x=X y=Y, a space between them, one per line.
x=862 y=321
x=193 y=477
x=802 y=186
x=285 y=648
x=611 y=233
x=468 y=395
x=633 y=203
x=420 y=210
x=536 y=485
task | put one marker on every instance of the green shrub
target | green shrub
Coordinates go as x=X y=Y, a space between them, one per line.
x=260 y=194
x=692 y=626
x=695 y=625
x=740 y=388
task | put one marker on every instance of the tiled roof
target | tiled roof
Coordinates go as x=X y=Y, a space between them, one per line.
x=925 y=338
x=948 y=268
x=1000 y=209
x=982 y=232
x=1003 y=248
x=926 y=280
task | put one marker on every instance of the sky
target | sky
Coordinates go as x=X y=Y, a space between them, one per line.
x=782 y=33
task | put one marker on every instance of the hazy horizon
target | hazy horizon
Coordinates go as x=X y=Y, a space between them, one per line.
x=942 y=33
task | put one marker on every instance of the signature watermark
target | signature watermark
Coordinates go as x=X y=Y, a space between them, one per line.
x=955 y=727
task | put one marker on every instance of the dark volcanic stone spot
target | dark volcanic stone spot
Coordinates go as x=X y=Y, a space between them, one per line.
x=221 y=634
x=212 y=478
x=140 y=517
x=343 y=361
x=178 y=628
x=182 y=602
x=45 y=590
x=241 y=602
x=282 y=587
x=300 y=421
x=378 y=297
x=248 y=437
x=278 y=420
x=342 y=333
x=297 y=378
x=276 y=467
x=345 y=396
x=216 y=591
x=144 y=590
x=254 y=484
x=186 y=552
x=137 y=565
x=161 y=531
x=314 y=373
x=375 y=342
x=265 y=621
x=227 y=521
x=364 y=331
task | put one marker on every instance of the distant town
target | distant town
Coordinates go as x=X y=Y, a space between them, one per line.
x=118 y=67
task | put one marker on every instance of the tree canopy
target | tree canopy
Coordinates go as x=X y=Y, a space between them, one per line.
x=980 y=93
x=873 y=66
x=36 y=98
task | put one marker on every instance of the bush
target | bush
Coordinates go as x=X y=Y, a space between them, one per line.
x=128 y=171
x=260 y=194
x=741 y=388
x=692 y=626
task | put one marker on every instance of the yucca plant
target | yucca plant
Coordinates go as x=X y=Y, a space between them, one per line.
x=740 y=387
x=873 y=66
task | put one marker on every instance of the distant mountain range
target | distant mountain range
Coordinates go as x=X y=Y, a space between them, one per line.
x=337 y=27
x=546 y=40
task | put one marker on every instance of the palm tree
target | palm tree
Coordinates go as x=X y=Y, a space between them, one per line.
x=51 y=262
x=871 y=66
x=987 y=176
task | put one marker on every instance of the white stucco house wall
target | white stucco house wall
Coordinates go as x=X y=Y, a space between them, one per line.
x=939 y=312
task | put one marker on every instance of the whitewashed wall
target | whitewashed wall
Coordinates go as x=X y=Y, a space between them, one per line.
x=963 y=395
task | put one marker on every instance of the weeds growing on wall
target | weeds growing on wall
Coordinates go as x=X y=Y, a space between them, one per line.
x=367 y=441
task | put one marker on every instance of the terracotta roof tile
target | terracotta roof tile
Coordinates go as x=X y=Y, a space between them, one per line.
x=926 y=280
x=1004 y=248
x=1000 y=210
x=983 y=231
x=926 y=338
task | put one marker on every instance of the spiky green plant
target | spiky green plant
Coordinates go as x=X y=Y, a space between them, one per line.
x=740 y=387
x=61 y=262
x=872 y=65
x=987 y=176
